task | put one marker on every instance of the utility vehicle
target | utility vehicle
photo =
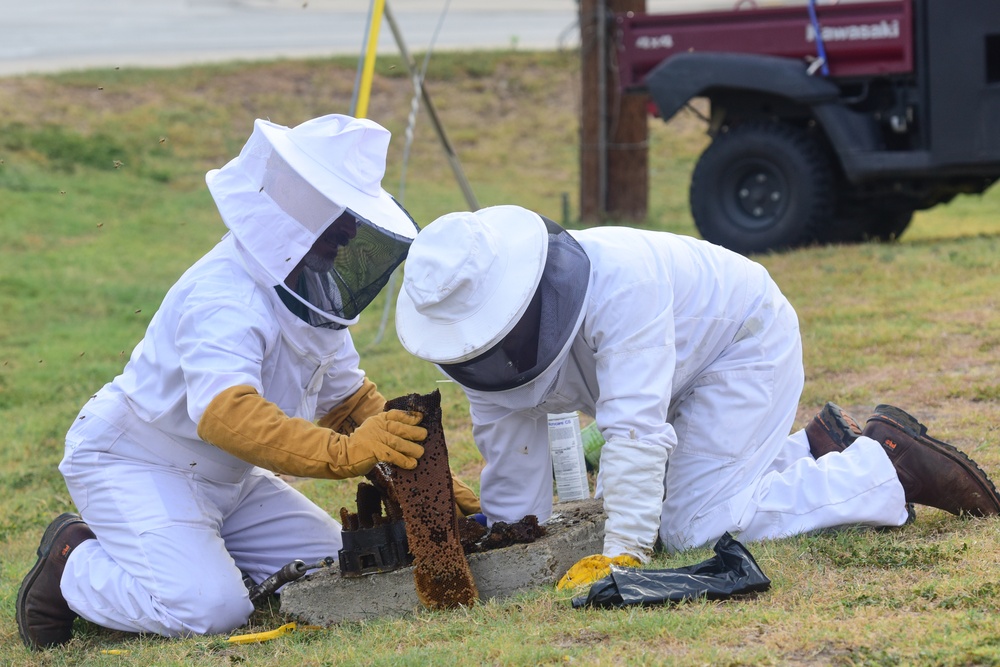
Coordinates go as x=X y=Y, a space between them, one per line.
x=829 y=122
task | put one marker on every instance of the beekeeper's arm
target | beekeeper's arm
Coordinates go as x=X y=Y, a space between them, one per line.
x=222 y=351
x=635 y=357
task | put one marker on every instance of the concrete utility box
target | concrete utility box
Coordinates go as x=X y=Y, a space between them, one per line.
x=575 y=530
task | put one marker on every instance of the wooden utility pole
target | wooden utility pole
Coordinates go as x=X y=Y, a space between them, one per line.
x=614 y=157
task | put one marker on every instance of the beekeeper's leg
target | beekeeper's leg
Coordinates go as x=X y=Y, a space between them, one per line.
x=735 y=467
x=159 y=564
x=858 y=486
x=274 y=524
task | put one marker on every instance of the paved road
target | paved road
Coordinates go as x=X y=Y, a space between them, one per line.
x=54 y=35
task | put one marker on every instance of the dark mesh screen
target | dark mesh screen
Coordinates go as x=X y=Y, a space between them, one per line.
x=359 y=272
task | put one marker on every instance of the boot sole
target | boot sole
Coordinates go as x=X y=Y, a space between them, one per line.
x=44 y=548
x=845 y=424
x=913 y=428
x=835 y=426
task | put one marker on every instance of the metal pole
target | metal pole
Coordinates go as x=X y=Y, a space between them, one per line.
x=371 y=49
x=361 y=61
x=602 y=114
x=449 y=150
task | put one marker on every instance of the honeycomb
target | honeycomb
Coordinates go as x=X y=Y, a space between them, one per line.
x=375 y=542
x=440 y=571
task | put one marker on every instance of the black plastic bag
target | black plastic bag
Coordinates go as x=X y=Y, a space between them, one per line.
x=732 y=571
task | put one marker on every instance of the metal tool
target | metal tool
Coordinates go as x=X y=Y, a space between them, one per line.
x=287 y=574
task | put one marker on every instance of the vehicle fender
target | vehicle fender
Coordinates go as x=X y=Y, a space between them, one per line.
x=676 y=80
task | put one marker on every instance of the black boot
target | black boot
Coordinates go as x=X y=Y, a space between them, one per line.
x=932 y=472
x=831 y=430
x=43 y=617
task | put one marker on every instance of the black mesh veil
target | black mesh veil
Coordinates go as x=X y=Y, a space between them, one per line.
x=541 y=334
x=357 y=274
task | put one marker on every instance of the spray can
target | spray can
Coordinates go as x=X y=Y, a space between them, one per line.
x=568 y=465
x=592 y=443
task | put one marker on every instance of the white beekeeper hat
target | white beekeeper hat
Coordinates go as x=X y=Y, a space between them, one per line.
x=288 y=185
x=468 y=279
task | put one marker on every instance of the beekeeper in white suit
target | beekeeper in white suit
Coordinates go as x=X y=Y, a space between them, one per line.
x=170 y=463
x=689 y=358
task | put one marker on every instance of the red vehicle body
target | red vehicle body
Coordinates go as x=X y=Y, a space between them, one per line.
x=882 y=37
x=830 y=122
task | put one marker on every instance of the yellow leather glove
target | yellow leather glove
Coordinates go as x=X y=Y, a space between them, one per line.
x=591 y=568
x=241 y=422
x=466 y=500
x=364 y=403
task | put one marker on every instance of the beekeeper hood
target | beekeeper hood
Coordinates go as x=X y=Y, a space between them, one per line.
x=306 y=205
x=493 y=297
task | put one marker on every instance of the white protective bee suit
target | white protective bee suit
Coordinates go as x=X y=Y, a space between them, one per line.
x=687 y=355
x=178 y=519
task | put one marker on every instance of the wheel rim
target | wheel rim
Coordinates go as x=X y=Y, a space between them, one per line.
x=757 y=194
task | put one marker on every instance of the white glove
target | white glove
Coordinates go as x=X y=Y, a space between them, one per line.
x=632 y=473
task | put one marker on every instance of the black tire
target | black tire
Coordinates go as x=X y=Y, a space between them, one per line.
x=860 y=221
x=887 y=224
x=762 y=186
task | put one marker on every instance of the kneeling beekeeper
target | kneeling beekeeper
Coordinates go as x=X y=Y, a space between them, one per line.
x=170 y=464
x=690 y=360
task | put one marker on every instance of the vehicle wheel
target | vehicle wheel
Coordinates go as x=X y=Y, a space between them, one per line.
x=762 y=186
x=859 y=221
x=887 y=224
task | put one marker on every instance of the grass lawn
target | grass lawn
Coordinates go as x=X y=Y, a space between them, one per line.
x=103 y=206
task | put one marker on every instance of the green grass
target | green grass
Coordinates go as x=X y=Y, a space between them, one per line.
x=103 y=206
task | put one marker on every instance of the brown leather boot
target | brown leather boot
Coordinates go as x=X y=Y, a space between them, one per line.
x=831 y=430
x=932 y=472
x=43 y=617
